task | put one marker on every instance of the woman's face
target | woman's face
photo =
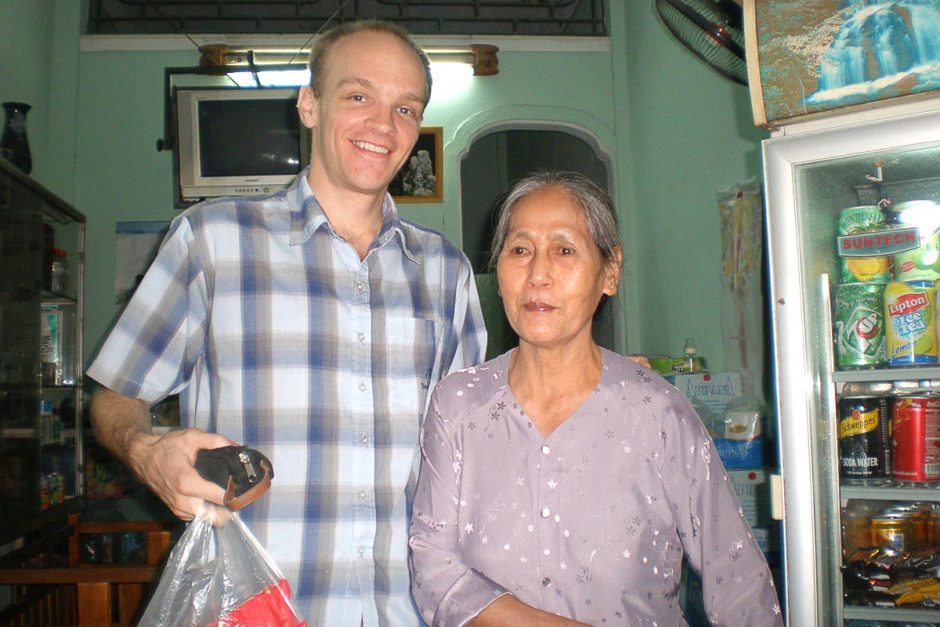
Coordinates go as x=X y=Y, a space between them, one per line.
x=550 y=272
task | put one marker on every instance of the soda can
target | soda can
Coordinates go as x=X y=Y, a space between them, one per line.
x=916 y=436
x=891 y=531
x=864 y=437
x=859 y=325
x=933 y=526
x=922 y=262
x=920 y=521
x=910 y=323
x=863 y=219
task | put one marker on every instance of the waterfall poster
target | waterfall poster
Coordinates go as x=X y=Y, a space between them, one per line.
x=817 y=56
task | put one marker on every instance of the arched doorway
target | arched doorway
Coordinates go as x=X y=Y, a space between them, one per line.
x=493 y=162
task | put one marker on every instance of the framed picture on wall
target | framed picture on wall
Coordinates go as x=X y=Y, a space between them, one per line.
x=819 y=57
x=421 y=179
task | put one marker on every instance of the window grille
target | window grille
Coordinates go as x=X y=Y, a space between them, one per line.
x=420 y=17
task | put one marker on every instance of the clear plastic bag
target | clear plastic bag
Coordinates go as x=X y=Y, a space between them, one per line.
x=218 y=575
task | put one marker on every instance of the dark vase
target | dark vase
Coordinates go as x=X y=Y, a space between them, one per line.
x=14 y=145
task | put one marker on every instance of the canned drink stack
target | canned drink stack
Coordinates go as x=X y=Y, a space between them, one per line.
x=916 y=437
x=910 y=323
x=859 y=220
x=864 y=438
x=859 y=325
x=922 y=262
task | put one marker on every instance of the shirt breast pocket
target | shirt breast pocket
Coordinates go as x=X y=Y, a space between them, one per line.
x=408 y=356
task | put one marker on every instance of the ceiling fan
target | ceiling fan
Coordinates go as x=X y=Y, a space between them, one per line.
x=712 y=29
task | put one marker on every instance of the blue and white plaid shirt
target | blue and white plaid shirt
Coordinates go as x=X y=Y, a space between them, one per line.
x=278 y=336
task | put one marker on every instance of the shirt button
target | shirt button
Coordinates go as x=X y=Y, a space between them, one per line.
x=546 y=582
x=362 y=495
x=361 y=551
x=362 y=387
x=546 y=512
x=358 y=287
x=545 y=449
x=361 y=336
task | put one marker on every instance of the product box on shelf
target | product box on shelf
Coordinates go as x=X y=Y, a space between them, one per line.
x=753 y=490
x=50 y=346
x=715 y=390
x=736 y=431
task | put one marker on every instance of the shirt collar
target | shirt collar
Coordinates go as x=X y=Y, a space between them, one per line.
x=307 y=217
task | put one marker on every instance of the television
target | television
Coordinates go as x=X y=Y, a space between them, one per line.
x=237 y=141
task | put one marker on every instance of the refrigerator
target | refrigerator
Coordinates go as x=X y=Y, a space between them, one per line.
x=812 y=172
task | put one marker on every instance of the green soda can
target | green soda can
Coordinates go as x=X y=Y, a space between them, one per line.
x=922 y=262
x=859 y=220
x=859 y=325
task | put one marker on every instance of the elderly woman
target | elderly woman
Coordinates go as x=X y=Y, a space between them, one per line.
x=562 y=483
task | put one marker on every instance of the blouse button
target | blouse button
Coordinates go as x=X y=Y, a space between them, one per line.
x=546 y=512
x=545 y=449
x=546 y=582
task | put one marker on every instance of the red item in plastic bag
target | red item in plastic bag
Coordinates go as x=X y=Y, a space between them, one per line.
x=269 y=608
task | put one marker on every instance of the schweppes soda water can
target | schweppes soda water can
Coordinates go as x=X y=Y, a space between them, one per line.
x=859 y=325
x=910 y=323
x=864 y=437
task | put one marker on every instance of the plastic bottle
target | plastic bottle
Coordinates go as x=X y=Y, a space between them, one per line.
x=60 y=271
x=691 y=362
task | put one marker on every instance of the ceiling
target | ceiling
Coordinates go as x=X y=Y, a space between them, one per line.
x=420 y=17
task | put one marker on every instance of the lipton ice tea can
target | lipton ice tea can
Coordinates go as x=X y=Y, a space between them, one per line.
x=859 y=325
x=910 y=323
x=857 y=220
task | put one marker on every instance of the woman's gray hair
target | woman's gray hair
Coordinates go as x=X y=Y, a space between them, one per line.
x=597 y=204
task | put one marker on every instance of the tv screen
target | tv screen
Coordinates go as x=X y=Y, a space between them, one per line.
x=237 y=142
x=248 y=138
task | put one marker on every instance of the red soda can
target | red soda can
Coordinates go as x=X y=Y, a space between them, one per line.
x=916 y=437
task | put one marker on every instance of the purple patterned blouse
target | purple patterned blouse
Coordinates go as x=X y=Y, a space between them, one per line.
x=591 y=523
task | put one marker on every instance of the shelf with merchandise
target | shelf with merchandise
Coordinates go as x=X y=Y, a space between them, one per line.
x=41 y=390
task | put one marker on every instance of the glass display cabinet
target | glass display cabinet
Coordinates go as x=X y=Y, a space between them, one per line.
x=41 y=274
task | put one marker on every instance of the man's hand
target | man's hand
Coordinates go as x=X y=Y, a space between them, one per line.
x=163 y=462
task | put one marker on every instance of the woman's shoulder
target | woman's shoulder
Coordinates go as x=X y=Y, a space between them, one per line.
x=627 y=373
x=631 y=381
x=474 y=385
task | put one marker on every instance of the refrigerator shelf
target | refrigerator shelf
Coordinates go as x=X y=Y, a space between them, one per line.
x=928 y=492
x=887 y=374
x=899 y=614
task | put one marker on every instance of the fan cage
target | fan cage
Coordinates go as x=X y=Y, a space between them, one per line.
x=711 y=30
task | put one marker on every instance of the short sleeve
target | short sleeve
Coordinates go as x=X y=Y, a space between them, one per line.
x=161 y=334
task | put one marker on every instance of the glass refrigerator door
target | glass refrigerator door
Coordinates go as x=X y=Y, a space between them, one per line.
x=810 y=178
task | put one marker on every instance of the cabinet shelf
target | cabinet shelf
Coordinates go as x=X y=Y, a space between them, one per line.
x=40 y=355
x=54 y=298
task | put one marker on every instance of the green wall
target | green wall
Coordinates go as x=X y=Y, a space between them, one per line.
x=690 y=135
x=673 y=131
x=26 y=68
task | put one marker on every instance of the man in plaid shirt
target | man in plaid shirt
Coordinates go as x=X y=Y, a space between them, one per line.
x=310 y=324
